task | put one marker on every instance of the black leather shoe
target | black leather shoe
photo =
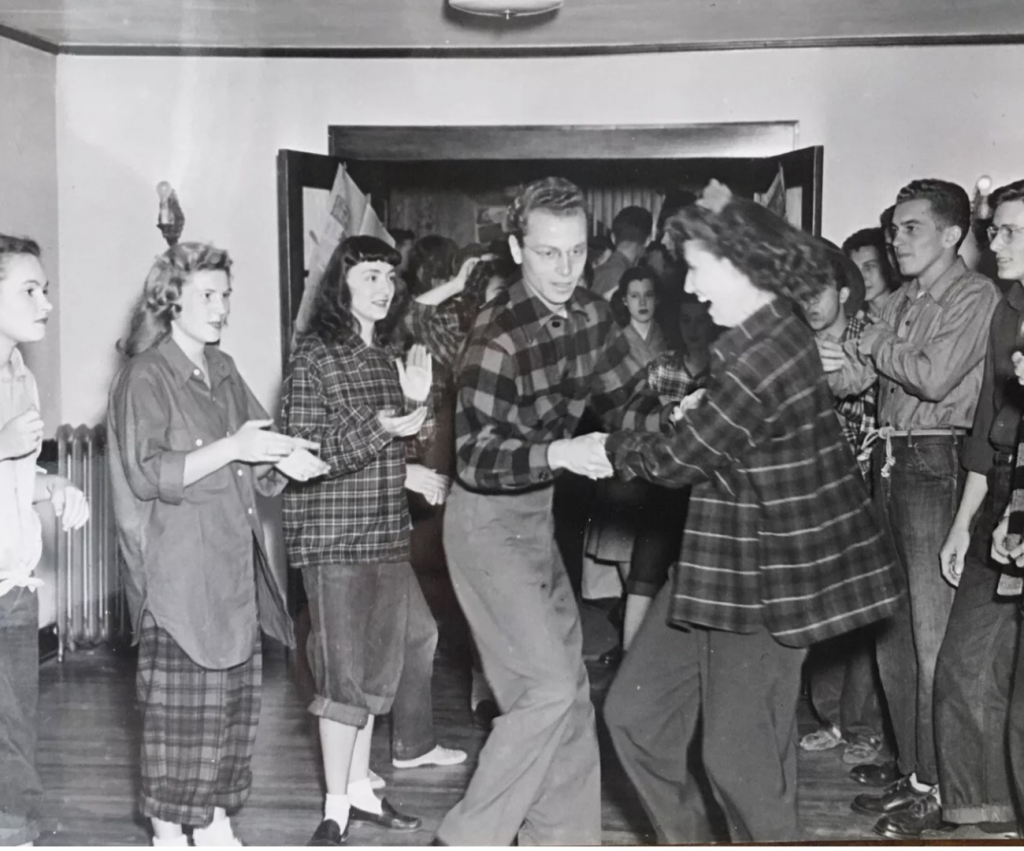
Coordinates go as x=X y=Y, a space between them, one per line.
x=875 y=773
x=484 y=714
x=390 y=818
x=909 y=823
x=898 y=796
x=329 y=833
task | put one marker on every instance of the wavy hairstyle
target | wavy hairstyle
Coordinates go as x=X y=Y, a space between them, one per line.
x=770 y=252
x=332 y=318
x=554 y=195
x=949 y=202
x=13 y=245
x=160 y=301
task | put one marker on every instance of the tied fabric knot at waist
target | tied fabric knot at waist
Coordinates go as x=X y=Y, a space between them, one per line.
x=11 y=579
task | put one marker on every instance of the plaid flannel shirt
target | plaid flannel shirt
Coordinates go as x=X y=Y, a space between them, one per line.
x=358 y=512
x=668 y=376
x=436 y=327
x=779 y=532
x=524 y=379
x=858 y=415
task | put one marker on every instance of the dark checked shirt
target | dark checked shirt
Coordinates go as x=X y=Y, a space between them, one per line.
x=357 y=513
x=525 y=377
x=668 y=376
x=779 y=532
x=858 y=414
x=189 y=550
x=437 y=327
x=1001 y=401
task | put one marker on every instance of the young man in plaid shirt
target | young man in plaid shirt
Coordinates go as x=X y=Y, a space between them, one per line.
x=538 y=354
x=842 y=679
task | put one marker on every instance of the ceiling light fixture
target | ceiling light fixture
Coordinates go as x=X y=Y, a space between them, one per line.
x=505 y=8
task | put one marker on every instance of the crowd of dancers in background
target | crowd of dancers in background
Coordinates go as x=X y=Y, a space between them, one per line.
x=805 y=457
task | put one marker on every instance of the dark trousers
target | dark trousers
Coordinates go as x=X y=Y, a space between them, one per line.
x=747 y=688
x=917 y=503
x=21 y=790
x=844 y=688
x=973 y=680
x=1015 y=736
x=538 y=777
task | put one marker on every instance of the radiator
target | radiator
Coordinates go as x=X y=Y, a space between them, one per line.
x=91 y=607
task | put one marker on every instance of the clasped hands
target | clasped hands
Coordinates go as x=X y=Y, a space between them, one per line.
x=833 y=355
x=583 y=455
x=254 y=443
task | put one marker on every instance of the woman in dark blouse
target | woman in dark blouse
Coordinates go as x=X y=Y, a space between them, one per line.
x=780 y=548
x=189 y=450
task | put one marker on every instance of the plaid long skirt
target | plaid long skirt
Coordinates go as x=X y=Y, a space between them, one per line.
x=198 y=730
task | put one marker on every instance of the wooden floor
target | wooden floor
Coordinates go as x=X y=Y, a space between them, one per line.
x=89 y=743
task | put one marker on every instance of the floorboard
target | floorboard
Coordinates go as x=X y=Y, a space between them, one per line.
x=89 y=743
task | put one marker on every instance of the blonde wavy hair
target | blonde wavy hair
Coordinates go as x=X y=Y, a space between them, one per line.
x=161 y=293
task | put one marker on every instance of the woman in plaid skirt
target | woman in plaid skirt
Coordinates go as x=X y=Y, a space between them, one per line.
x=189 y=449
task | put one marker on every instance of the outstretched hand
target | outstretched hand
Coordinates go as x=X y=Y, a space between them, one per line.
x=254 y=443
x=416 y=373
x=405 y=425
x=582 y=455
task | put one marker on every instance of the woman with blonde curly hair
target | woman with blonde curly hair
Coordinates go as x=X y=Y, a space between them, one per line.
x=190 y=447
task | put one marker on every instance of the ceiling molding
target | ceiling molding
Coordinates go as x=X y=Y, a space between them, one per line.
x=519 y=51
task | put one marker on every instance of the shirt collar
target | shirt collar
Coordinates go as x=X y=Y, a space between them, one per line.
x=15 y=368
x=1015 y=296
x=941 y=286
x=737 y=340
x=184 y=369
x=532 y=314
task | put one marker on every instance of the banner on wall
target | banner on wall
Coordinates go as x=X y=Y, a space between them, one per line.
x=348 y=212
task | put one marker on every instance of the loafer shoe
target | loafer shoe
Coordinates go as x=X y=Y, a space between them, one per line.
x=437 y=756
x=389 y=818
x=484 y=714
x=910 y=822
x=328 y=832
x=876 y=774
x=898 y=796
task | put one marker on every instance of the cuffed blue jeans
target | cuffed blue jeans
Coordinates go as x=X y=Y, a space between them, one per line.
x=21 y=790
x=973 y=679
x=917 y=502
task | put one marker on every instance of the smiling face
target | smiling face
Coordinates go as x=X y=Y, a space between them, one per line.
x=205 y=303
x=641 y=300
x=730 y=295
x=372 y=287
x=920 y=241
x=552 y=255
x=1009 y=253
x=24 y=306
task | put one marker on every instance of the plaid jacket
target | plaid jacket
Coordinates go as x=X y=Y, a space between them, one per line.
x=358 y=512
x=524 y=379
x=858 y=415
x=779 y=532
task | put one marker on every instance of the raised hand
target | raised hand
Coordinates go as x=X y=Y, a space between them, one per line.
x=583 y=455
x=416 y=374
x=302 y=466
x=402 y=426
x=430 y=483
x=253 y=443
x=21 y=435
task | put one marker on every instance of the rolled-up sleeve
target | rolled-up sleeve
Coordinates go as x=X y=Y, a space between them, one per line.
x=142 y=414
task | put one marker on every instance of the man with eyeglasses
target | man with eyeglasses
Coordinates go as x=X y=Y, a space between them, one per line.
x=975 y=667
x=927 y=352
x=538 y=355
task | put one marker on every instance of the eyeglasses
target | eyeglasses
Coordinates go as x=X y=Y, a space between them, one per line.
x=554 y=256
x=1007 y=232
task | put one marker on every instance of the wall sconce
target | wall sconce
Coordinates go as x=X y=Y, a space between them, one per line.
x=505 y=8
x=170 y=219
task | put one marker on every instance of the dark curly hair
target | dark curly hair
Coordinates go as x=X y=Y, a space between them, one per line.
x=1005 y=194
x=555 y=195
x=770 y=252
x=12 y=245
x=949 y=202
x=431 y=261
x=332 y=320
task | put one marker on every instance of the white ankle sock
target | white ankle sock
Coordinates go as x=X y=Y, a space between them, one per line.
x=479 y=690
x=336 y=807
x=217 y=834
x=362 y=796
x=170 y=840
x=918 y=786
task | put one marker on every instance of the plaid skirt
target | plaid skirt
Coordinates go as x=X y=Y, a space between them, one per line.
x=198 y=730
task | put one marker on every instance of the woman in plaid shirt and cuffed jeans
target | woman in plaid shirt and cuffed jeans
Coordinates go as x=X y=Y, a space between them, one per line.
x=780 y=549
